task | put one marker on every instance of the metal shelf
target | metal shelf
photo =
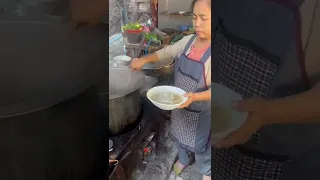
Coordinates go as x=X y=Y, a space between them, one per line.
x=176 y=14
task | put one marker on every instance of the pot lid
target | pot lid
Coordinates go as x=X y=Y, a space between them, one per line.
x=123 y=81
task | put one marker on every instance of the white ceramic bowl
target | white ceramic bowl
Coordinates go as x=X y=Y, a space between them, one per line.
x=122 y=60
x=162 y=89
x=223 y=96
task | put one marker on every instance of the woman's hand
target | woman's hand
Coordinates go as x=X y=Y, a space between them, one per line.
x=191 y=99
x=258 y=117
x=137 y=64
x=199 y=96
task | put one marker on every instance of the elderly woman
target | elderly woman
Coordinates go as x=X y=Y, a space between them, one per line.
x=190 y=125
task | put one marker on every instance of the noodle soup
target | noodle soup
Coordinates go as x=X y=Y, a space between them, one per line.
x=168 y=98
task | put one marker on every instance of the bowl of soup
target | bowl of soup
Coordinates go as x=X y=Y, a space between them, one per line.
x=166 y=97
x=224 y=118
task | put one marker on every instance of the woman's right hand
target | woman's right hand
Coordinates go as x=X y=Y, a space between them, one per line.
x=137 y=63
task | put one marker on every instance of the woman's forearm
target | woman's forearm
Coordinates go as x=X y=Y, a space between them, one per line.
x=151 y=58
x=301 y=108
x=203 y=96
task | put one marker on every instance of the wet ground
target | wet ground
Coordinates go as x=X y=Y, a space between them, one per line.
x=159 y=166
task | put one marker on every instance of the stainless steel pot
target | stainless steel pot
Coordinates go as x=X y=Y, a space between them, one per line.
x=124 y=112
x=159 y=70
x=124 y=99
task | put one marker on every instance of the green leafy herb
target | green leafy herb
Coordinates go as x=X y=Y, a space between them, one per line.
x=152 y=37
x=132 y=26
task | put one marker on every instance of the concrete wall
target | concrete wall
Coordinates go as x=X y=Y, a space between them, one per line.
x=164 y=21
x=173 y=6
x=133 y=10
x=114 y=18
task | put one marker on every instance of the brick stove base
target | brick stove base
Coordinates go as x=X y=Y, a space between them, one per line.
x=134 y=142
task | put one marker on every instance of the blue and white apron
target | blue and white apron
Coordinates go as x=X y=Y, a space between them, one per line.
x=190 y=127
x=258 y=52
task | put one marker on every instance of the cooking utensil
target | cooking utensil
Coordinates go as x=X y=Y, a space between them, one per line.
x=147 y=46
x=159 y=69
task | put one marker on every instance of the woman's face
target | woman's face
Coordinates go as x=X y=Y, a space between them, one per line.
x=202 y=19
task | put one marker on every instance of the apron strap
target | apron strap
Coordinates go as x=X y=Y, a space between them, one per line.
x=206 y=55
x=189 y=44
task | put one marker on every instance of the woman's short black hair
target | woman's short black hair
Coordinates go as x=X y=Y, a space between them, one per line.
x=194 y=2
x=192 y=5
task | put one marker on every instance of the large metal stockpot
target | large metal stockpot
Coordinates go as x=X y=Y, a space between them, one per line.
x=124 y=98
x=124 y=112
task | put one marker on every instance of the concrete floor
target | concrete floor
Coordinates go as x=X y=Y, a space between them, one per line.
x=159 y=167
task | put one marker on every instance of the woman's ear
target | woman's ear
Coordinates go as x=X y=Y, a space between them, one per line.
x=88 y=11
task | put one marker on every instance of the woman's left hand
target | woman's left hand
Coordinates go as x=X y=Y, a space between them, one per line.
x=191 y=99
x=258 y=110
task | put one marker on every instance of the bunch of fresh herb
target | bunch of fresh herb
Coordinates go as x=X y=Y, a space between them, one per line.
x=152 y=37
x=132 y=26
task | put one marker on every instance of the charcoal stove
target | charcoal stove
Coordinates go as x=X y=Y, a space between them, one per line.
x=127 y=147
